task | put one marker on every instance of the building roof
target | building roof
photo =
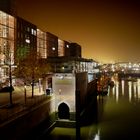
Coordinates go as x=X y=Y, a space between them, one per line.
x=66 y=59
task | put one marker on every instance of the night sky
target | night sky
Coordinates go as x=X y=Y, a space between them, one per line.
x=108 y=31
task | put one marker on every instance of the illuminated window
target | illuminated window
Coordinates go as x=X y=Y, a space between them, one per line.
x=41 y=43
x=35 y=32
x=27 y=41
x=5 y=31
x=28 y=29
x=11 y=21
x=53 y=48
x=60 y=47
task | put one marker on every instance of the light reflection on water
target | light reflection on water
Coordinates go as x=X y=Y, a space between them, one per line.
x=130 y=89
x=122 y=83
x=118 y=113
x=118 y=116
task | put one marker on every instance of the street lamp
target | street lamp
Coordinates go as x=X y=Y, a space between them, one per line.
x=10 y=82
x=25 y=92
x=9 y=63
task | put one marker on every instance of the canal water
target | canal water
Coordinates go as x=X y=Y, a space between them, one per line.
x=115 y=116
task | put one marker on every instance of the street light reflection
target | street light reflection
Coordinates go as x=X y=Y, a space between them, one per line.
x=130 y=90
x=135 y=90
x=122 y=87
x=138 y=84
x=97 y=136
x=117 y=91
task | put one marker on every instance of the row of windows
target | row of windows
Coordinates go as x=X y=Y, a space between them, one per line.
x=41 y=34
x=7 y=24
x=29 y=35
x=25 y=27
x=6 y=19
x=6 y=32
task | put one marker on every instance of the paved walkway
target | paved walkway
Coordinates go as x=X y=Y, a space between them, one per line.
x=20 y=104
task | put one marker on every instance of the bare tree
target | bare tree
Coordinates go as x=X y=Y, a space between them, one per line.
x=9 y=61
x=31 y=68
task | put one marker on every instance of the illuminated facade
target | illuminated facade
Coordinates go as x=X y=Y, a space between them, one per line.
x=41 y=43
x=7 y=43
x=64 y=89
x=61 y=47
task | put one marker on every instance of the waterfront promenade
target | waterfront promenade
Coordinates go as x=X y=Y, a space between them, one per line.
x=20 y=119
x=20 y=103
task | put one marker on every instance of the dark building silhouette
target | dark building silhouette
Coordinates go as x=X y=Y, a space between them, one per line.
x=52 y=45
x=75 y=50
x=72 y=49
x=8 y=6
x=26 y=40
x=67 y=49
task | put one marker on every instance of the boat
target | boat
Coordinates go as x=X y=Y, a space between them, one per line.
x=102 y=86
x=102 y=90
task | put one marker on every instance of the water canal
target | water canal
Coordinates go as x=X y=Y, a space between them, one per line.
x=113 y=117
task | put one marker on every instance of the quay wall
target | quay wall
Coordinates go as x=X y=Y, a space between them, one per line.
x=87 y=89
x=25 y=123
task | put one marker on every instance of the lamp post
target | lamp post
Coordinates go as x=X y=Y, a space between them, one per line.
x=10 y=82
x=10 y=78
x=25 y=93
x=78 y=115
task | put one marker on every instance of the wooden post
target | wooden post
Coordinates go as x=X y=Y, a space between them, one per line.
x=77 y=115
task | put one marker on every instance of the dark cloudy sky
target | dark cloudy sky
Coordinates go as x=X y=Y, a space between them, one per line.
x=107 y=30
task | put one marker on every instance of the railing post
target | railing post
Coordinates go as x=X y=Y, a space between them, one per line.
x=77 y=115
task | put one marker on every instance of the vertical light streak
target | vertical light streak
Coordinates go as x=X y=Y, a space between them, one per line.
x=138 y=86
x=135 y=90
x=117 y=91
x=122 y=82
x=130 y=90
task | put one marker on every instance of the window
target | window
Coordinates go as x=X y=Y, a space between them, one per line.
x=28 y=29
x=27 y=40
x=53 y=48
x=33 y=32
x=5 y=31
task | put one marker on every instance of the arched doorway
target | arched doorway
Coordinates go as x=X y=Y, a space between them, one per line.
x=63 y=111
